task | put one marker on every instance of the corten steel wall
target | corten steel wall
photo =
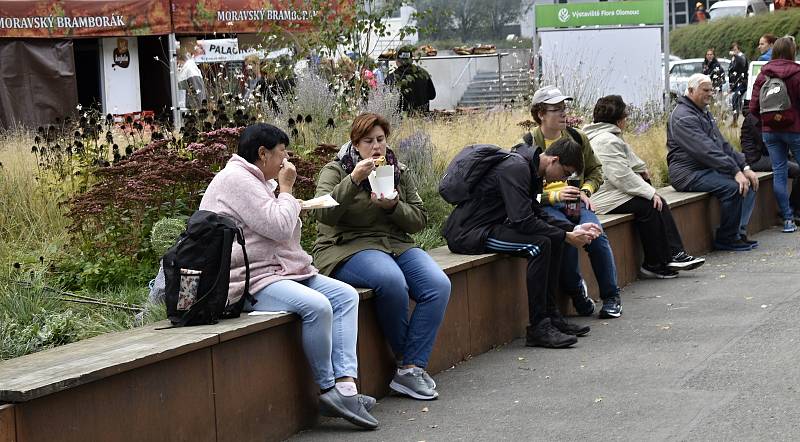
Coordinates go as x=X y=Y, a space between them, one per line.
x=8 y=429
x=253 y=382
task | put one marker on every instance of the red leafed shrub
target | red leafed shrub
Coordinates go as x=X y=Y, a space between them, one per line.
x=158 y=180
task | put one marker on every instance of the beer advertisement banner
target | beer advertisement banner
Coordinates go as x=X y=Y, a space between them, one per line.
x=83 y=18
x=247 y=16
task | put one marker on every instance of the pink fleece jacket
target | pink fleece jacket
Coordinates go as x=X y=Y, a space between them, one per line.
x=271 y=226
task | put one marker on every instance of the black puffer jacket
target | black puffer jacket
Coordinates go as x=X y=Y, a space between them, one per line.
x=508 y=196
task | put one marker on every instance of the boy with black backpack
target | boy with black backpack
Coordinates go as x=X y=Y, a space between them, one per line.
x=501 y=214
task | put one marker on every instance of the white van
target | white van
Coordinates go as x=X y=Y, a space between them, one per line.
x=738 y=8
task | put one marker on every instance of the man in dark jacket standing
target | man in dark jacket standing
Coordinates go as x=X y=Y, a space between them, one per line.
x=507 y=218
x=701 y=160
x=737 y=79
x=414 y=83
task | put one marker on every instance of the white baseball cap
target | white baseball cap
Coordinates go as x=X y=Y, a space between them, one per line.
x=549 y=95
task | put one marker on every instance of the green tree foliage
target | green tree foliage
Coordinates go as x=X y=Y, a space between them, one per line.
x=692 y=41
x=466 y=19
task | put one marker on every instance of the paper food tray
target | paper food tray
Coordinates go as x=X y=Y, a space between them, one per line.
x=320 y=202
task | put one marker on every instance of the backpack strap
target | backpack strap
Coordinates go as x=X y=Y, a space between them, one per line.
x=247 y=294
x=575 y=135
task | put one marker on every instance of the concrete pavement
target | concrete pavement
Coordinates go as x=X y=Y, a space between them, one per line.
x=711 y=355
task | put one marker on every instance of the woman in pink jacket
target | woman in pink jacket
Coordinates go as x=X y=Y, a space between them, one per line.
x=281 y=275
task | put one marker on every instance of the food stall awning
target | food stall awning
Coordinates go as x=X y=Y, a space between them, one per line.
x=245 y=16
x=83 y=18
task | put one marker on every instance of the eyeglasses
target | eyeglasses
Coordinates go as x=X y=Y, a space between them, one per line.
x=556 y=109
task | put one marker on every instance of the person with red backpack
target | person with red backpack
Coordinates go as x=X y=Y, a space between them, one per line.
x=776 y=97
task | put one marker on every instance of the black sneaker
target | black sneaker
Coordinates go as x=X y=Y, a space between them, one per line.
x=583 y=304
x=567 y=328
x=751 y=242
x=544 y=334
x=657 y=272
x=733 y=246
x=612 y=308
x=684 y=261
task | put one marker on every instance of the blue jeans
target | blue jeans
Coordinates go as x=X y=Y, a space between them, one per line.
x=778 y=145
x=605 y=270
x=735 y=210
x=394 y=279
x=329 y=310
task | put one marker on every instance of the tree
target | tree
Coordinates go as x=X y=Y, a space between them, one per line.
x=468 y=16
x=502 y=12
x=434 y=18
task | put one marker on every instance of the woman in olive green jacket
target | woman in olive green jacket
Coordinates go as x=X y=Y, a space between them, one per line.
x=366 y=242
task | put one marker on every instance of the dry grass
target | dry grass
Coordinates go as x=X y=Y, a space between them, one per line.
x=31 y=222
x=449 y=136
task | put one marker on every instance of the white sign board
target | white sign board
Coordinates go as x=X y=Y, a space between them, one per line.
x=591 y=63
x=227 y=49
x=120 y=71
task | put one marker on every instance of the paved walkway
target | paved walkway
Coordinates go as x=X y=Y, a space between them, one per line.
x=711 y=355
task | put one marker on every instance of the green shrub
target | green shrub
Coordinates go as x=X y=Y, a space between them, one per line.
x=164 y=234
x=693 y=40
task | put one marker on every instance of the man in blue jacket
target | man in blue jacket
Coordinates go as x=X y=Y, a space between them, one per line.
x=701 y=160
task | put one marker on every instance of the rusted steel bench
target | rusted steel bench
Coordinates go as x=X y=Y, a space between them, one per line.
x=247 y=378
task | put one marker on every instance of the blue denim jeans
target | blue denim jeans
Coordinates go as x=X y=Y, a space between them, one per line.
x=778 y=144
x=600 y=255
x=329 y=311
x=394 y=279
x=735 y=210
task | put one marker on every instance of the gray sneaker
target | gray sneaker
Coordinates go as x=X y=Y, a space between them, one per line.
x=334 y=404
x=368 y=401
x=413 y=384
x=428 y=380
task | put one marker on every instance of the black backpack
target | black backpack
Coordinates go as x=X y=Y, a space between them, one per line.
x=197 y=271
x=467 y=169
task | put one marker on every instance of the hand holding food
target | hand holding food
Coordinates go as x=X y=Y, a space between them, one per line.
x=362 y=170
x=380 y=161
x=286 y=176
x=382 y=202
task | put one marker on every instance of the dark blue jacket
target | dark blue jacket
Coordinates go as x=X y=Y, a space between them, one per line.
x=694 y=143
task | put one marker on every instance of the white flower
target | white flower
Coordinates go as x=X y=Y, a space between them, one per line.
x=79 y=107
x=155 y=58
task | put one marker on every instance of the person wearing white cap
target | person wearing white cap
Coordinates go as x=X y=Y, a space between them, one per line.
x=549 y=110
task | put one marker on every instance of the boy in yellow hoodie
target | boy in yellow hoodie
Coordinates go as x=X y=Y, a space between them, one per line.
x=549 y=110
